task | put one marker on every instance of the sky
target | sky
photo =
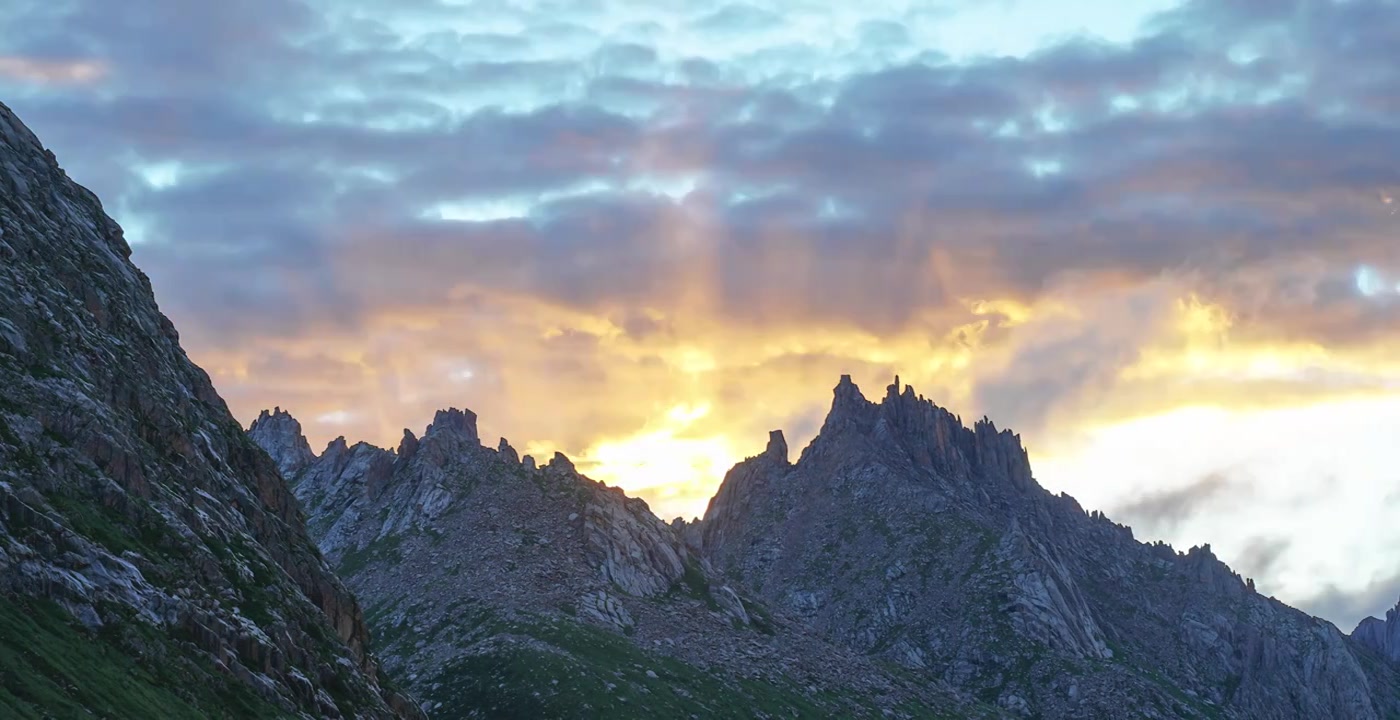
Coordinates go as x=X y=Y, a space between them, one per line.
x=1159 y=239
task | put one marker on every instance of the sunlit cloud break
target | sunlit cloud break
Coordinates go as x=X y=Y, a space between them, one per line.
x=1371 y=283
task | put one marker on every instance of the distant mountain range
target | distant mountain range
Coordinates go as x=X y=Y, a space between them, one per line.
x=904 y=566
x=156 y=561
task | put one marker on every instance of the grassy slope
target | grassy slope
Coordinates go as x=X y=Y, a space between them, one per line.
x=539 y=667
x=52 y=668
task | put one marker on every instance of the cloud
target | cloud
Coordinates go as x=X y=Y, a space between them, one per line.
x=1261 y=556
x=35 y=70
x=607 y=212
x=1346 y=609
x=1053 y=361
x=1170 y=508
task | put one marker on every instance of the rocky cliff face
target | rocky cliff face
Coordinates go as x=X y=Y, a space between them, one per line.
x=153 y=562
x=905 y=565
x=280 y=435
x=908 y=536
x=1381 y=636
x=505 y=589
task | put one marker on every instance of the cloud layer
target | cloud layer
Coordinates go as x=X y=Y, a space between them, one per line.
x=645 y=237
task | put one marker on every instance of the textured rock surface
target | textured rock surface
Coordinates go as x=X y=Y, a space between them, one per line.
x=153 y=562
x=501 y=589
x=904 y=534
x=1382 y=636
x=279 y=434
x=905 y=564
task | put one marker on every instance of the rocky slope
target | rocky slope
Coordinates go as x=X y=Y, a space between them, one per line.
x=904 y=565
x=153 y=562
x=501 y=588
x=1381 y=636
x=904 y=534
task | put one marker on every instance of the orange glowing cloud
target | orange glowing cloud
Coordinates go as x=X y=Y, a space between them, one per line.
x=666 y=411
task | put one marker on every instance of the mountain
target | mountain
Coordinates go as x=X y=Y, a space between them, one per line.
x=904 y=534
x=905 y=565
x=1381 y=636
x=153 y=562
x=502 y=588
x=280 y=435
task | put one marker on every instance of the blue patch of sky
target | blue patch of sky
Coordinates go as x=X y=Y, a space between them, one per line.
x=560 y=48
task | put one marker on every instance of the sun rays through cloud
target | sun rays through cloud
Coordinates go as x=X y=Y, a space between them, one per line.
x=1139 y=233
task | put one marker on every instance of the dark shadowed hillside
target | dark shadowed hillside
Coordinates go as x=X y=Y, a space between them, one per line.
x=153 y=563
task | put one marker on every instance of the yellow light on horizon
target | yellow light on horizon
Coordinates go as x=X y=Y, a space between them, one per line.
x=677 y=475
x=684 y=415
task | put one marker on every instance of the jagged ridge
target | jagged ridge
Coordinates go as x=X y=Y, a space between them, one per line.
x=471 y=559
x=905 y=534
x=273 y=427
x=900 y=534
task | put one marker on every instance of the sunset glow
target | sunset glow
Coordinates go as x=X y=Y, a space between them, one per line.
x=646 y=236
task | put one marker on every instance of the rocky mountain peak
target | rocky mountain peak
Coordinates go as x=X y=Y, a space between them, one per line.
x=905 y=533
x=892 y=390
x=280 y=435
x=507 y=452
x=408 y=446
x=727 y=511
x=452 y=420
x=899 y=533
x=338 y=446
x=465 y=541
x=561 y=462
x=906 y=424
x=777 y=446
x=848 y=404
x=1382 y=636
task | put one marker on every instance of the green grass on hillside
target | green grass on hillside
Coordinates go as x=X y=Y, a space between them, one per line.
x=554 y=667
x=52 y=668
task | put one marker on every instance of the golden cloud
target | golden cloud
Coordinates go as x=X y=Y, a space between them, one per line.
x=664 y=413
